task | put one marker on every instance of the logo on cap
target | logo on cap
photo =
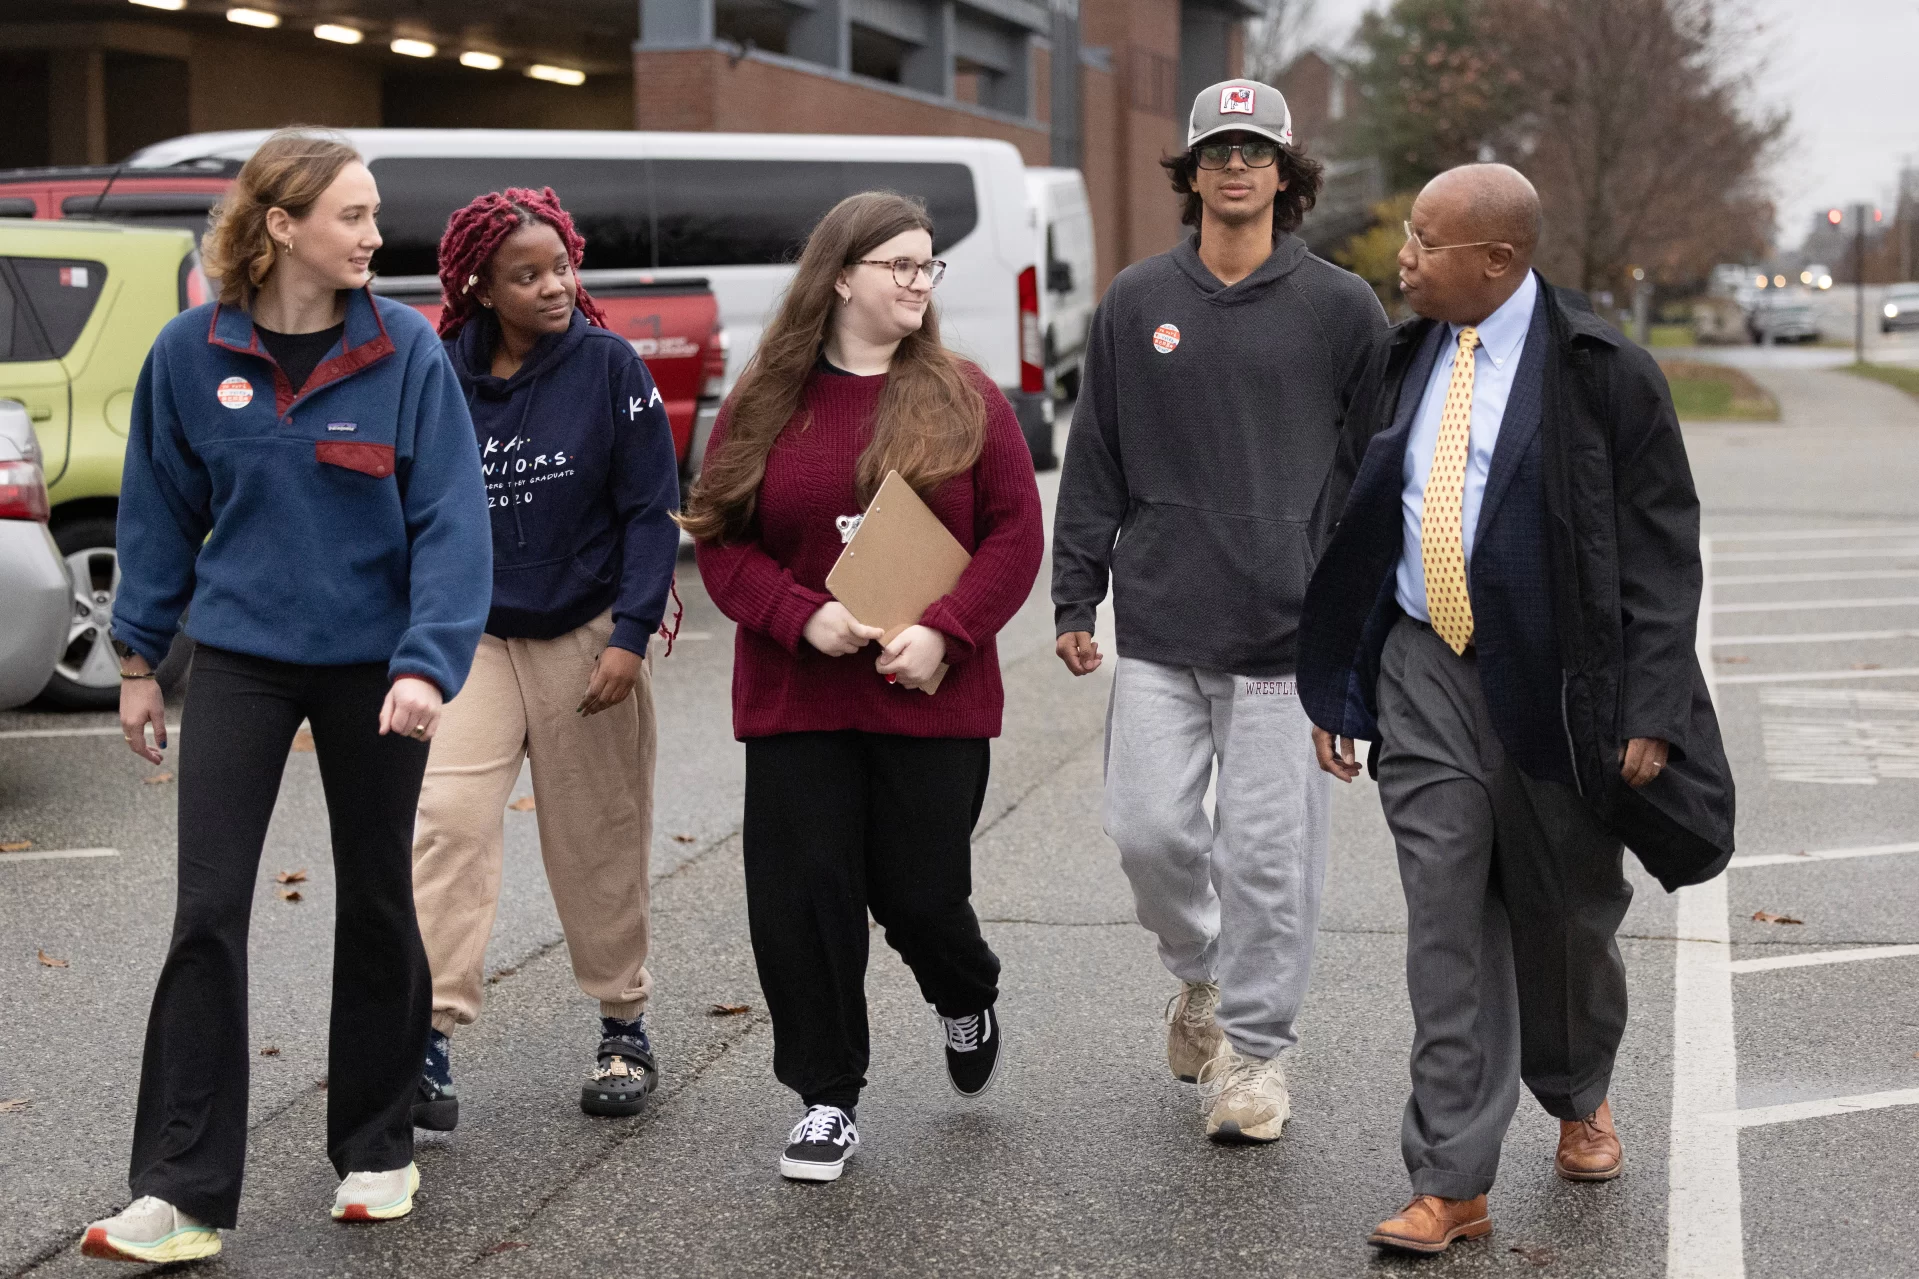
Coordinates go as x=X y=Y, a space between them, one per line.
x=1236 y=99
x=1165 y=338
x=235 y=392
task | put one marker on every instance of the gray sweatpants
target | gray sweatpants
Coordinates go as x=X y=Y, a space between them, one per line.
x=1234 y=900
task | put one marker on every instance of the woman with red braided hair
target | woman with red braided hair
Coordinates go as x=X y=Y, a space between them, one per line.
x=581 y=483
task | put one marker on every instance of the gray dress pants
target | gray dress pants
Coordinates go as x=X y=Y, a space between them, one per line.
x=1513 y=895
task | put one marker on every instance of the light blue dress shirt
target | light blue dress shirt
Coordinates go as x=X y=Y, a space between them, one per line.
x=1502 y=339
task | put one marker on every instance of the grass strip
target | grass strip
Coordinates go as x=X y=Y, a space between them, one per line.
x=1705 y=392
x=1901 y=376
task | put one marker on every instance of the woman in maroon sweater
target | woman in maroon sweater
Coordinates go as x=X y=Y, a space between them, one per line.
x=861 y=792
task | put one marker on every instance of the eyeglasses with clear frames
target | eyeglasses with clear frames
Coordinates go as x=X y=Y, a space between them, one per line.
x=906 y=270
x=1423 y=247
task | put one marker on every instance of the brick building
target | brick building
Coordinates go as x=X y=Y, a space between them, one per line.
x=1099 y=85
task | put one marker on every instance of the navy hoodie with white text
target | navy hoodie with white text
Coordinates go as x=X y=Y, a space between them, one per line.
x=581 y=482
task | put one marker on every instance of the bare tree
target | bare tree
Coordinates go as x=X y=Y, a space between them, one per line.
x=1285 y=30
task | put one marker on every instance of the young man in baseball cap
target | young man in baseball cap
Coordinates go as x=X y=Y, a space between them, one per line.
x=1215 y=381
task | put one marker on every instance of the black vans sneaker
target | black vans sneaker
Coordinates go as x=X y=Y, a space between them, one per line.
x=972 y=1051
x=819 y=1145
x=435 y=1104
x=625 y=1071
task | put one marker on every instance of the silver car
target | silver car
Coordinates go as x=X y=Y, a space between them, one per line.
x=35 y=594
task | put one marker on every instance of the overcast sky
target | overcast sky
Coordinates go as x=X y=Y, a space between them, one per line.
x=1846 y=69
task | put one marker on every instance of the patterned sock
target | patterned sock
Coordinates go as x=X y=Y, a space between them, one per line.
x=634 y=1032
x=439 y=1059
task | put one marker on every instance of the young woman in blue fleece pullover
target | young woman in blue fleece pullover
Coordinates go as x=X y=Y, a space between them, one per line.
x=301 y=469
x=582 y=481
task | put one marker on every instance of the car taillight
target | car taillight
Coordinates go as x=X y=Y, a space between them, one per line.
x=23 y=492
x=713 y=362
x=1032 y=356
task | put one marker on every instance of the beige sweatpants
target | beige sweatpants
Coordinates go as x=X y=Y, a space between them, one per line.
x=593 y=791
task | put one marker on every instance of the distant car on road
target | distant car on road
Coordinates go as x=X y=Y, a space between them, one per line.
x=1816 y=276
x=34 y=590
x=1778 y=316
x=1901 y=308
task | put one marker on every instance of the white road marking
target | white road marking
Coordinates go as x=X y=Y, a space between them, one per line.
x=1817 y=637
x=1841 y=553
x=1820 y=855
x=1761 y=1116
x=1804 y=534
x=1849 y=575
x=1794 y=606
x=1794 y=677
x=1848 y=699
x=1808 y=960
x=57 y=854
x=109 y=730
x=1705 y=1233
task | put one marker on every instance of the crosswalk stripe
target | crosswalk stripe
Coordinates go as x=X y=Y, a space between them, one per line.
x=1821 y=957
x=1761 y=1116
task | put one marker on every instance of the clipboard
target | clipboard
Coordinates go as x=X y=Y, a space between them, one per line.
x=897 y=563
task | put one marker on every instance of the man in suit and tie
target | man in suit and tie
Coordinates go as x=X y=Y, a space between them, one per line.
x=1507 y=610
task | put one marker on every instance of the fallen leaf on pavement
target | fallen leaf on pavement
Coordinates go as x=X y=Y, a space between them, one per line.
x=506 y=1245
x=1538 y=1256
x=48 y=961
x=303 y=742
x=269 y=1051
x=290 y=895
x=291 y=876
x=498 y=973
x=1730 y=661
x=320 y=1083
x=524 y=804
x=1767 y=917
x=726 y=1010
x=1865 y=666
x=16 y=846
x=14 y=1106
x=156 y=779
x=683 y=839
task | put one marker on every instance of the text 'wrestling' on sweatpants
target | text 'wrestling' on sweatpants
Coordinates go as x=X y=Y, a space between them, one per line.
x=838 y=824
x=190 y=1129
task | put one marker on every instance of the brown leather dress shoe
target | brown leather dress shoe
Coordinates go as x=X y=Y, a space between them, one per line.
x=1430 y=1224
x=1589 y=1148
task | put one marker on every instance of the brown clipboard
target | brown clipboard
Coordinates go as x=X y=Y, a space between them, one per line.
x=899 y=560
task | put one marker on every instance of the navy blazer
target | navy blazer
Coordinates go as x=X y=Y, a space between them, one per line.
x=1509 y=578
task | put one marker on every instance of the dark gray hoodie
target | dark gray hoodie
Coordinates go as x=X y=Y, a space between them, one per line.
x=1204 y=431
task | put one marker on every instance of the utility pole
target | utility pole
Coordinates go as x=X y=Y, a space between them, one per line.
x=1859 y=284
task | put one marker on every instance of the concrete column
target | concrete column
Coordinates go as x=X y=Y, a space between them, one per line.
x=929 y=68
x=822 y=36
x=1064 y=100
x=77 y=106
x=676 y=24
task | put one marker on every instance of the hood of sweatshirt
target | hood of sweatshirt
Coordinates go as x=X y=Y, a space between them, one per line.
x=1286 y=256
x=472 y=352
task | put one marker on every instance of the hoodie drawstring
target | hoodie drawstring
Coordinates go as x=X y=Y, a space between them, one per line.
x=526 y=407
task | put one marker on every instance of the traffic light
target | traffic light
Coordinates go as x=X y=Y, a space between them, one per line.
x=1835 y=217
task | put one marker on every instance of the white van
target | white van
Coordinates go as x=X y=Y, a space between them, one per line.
x=1062 y=222
x=732 y=208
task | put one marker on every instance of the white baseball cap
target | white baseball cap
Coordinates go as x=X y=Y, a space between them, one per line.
x=1240 y=105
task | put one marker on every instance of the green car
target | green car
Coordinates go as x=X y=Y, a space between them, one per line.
x=80 y=303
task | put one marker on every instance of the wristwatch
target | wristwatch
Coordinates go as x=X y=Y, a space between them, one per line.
x=123 y=652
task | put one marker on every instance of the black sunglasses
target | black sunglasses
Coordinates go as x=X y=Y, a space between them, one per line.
x=1254 y=153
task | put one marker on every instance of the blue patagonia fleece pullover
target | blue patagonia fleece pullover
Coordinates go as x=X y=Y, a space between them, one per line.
x=581 y=479
x=342 y=523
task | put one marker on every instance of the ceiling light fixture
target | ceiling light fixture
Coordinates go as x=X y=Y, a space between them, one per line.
x=558 y=75
x=254 y=18
x=482 y=61
x=162 y=4
x=339 y=34
x=413 y=48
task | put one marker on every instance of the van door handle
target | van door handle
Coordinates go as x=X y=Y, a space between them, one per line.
x=39 y=413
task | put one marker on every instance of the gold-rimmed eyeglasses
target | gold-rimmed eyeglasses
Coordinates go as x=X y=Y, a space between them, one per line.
x=1423 y=247
x=906 y=270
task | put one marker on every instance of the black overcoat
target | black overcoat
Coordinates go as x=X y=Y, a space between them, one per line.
x=1621 y=524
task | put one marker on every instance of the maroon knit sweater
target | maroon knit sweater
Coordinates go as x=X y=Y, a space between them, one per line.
x=782 y=684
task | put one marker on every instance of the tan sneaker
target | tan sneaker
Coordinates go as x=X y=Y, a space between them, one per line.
x=1244 y=1098
x=1193 y=1037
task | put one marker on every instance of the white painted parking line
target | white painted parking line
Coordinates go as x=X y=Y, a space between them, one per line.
x=1816 y=957
x=109 y=730
x=1705 y=1232
x=1846 y=699
x=57 y=854
x=1816 y=637
x=1761 y=1116
x=1850 y=575
x=1794 y=677
x=1820 y=855
x=1838 y=553
x=1796 y=606
x=1807 y=534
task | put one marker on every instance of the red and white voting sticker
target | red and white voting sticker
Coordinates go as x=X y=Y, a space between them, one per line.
x=1165 y=338
x=235 y=392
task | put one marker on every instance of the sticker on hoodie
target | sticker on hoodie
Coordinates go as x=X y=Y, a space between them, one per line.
x=235 y=392
x=1165 y=338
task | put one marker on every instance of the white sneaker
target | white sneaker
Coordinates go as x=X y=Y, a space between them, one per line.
x=1244 y=1098
x=376 y=1196
x=1193 y=1036
x=150 y=1229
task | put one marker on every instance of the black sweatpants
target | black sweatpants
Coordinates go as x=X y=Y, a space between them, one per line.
x=838 y=824
x=190 y=1130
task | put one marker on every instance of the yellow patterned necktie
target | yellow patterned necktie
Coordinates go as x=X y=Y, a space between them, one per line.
x=1442 y=549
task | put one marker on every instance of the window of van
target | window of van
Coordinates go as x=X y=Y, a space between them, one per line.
x=660 y=213
x=62 y=293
